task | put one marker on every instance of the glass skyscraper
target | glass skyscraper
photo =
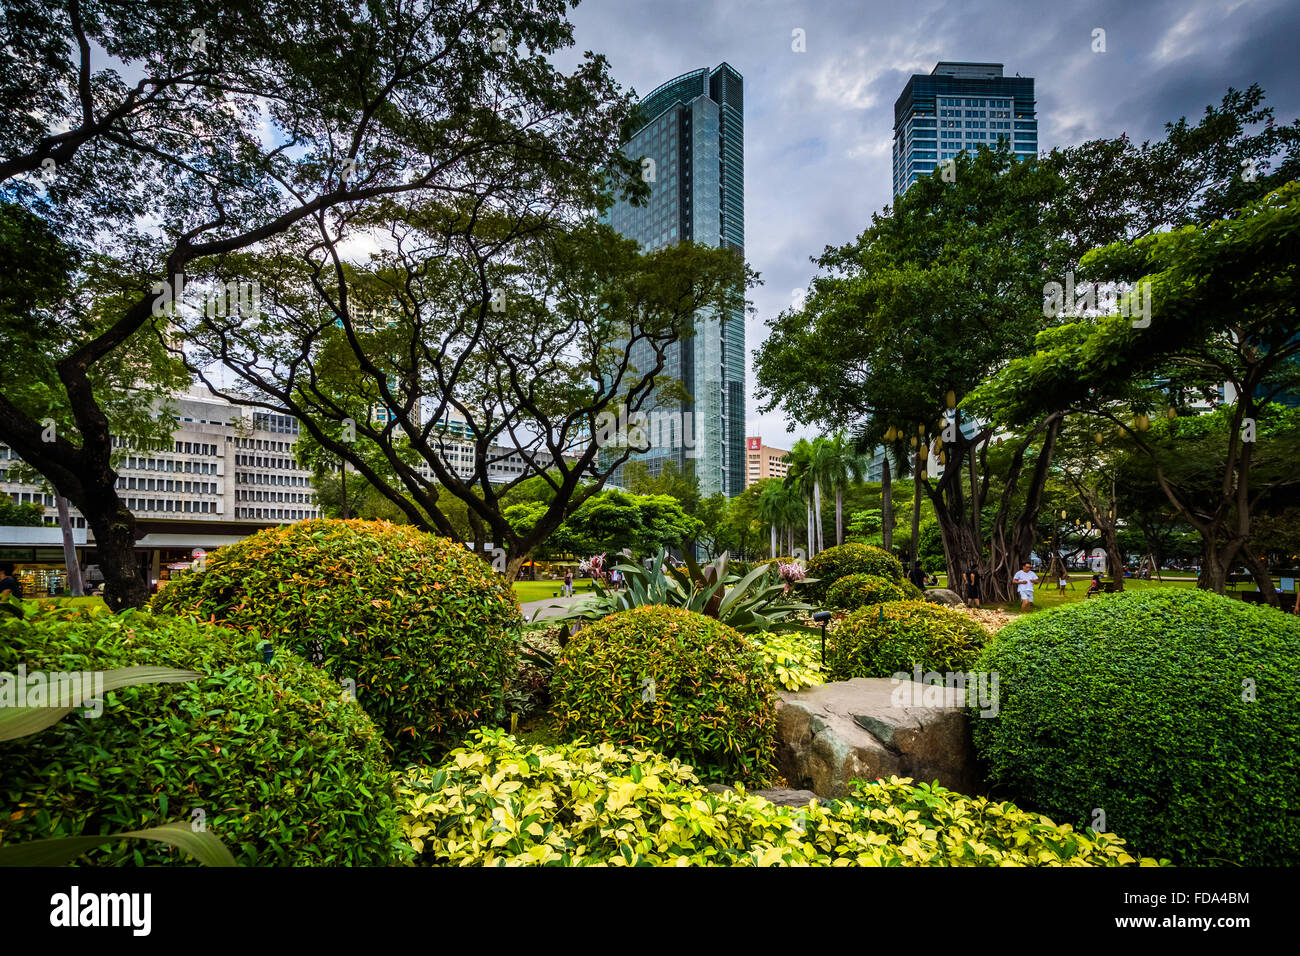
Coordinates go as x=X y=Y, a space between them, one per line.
x=960 y=106
x=693 y=134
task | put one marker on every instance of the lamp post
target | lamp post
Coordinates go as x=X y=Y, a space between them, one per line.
x=821 y=617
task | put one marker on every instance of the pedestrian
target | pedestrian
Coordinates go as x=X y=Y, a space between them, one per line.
x=1025 y=579
x=10 y=586
x=1062 y=581
x=972 y=588
x=917 y=576
x=567 y=590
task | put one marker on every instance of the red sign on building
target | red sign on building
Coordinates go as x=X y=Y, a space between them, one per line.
x=754 y=444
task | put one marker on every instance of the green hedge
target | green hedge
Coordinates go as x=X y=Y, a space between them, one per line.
x=285 y=770
x=854 y=591
x=842 y=560
x=899 y=636
x=1175 y=712
x=673 y=680
x=426 y=629
x=499 y=803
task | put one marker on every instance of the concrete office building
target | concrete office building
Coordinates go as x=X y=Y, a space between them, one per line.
x=960 y=106
x=229 y=471
x=764 y=461
x=691 y=147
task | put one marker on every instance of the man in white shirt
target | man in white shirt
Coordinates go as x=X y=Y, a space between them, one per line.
x=1025 y=579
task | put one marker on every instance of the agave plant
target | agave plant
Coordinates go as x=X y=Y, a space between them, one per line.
x=751 y=603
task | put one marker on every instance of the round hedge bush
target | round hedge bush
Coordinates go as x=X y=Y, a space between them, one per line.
x=842 y=560
x=287 y=770
x=674 y=681
x=859 y=590
x=425 y=628
x=900 y=636
x=1174 y=711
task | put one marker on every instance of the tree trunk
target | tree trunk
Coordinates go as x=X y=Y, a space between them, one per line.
x=1259 y=571
x=812 y=525
x=839 y=514
x=916 y=512
x=772 y=551
x=343 y=487
x=114 y=532
x=817 y=514
x=76 y=587
x=886 y=506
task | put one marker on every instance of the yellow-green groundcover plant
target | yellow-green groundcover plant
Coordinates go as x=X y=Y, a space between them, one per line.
x=497 y=802
x=791 y=659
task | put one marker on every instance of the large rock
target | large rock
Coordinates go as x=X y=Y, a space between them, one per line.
x=944 y=596
x=867 y=728
x=780 y=796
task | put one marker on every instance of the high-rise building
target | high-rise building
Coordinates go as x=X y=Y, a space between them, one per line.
x=691 y=145
x=960 y=106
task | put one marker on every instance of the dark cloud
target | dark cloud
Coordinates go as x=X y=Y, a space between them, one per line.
x=819 y=124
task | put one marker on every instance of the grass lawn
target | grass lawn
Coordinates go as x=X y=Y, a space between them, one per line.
x=1046 y=594
x=544 y=590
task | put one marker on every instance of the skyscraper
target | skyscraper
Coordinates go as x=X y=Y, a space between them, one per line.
x=693 y=137
x=960 y=106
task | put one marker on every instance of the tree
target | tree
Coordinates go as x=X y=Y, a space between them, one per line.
x=508 y=335
x=1223 y=311
x=945 y=289
x=14 y=515
x=779 y=507
x=249 y=121
x=842 y=464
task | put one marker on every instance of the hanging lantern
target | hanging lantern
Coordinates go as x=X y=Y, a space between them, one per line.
x=923 y=453
x=920 y=429
x=938 y=446
x=1062 y=514
x=952 y=398
x=943 y=458
x=913 y=442
x=1143 y=422
x=1099 y=438
x=1172 y=413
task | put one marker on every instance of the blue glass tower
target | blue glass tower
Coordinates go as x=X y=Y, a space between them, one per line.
x=960 y=106
x=693 y=134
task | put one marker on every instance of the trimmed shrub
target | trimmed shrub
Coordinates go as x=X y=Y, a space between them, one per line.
x=842 y=560
x=605 y=806
x=286 y=770
x=425 y=628
x=859 y=590
x=1173 y=711
x=900 y=636
x=793 y=660
x=679 y=682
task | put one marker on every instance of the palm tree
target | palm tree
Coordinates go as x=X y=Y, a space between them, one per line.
x=774 y=508
x=806 y=462
x=896 y=459
x=843 y=464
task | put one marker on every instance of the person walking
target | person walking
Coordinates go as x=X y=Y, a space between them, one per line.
x=1025 y=579
x=972 y=588
x=10 y=586
x=567 y=590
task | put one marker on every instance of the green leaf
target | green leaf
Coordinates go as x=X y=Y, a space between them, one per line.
x=205 y=847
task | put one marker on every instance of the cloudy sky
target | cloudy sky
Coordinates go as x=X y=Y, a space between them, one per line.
x=819 y=124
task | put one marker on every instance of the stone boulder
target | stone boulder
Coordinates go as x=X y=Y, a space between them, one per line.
x=866 y=728
x=781 y=797
x=944 y=596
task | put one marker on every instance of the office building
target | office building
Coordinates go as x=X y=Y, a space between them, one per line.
x=764 y=461
x=691 y=146
x=960 y=106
